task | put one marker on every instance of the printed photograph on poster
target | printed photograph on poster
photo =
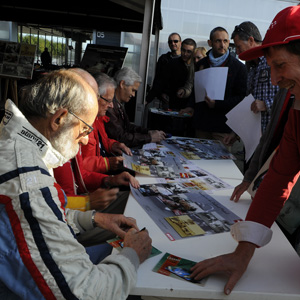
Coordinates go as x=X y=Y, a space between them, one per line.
x=183 y=210
x=193 y=148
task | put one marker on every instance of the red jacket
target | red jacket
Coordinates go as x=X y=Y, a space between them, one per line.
x=282 y=175
x=75 y=180
x=92 y=159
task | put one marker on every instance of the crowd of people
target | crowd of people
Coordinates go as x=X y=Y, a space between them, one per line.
x=64 y=187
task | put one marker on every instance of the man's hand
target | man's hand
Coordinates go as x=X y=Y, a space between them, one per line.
x=187 y=110
x=140 y=242
x=180 y=93
x=157 y=136
x=116 y=162
x=101 y=198
x=230 y=138
x=210 y=103
x=123 y=178
x=116 y=223
x=239 y=190
x=233 y=265
x=258 y=105
x=119 y=148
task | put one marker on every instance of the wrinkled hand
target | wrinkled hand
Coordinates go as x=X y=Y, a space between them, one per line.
x=258 y=105
x=123 y=178
x=115 y=163
x=140 y=242
x=118 y=148
x=157 y=136
x=239 y=190
x=233 y=265
x=116 y=223
x=101 y=198
x=210 y=103
x=187 y=110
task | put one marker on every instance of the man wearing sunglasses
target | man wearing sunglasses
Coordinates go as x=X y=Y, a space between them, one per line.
x=174 y=42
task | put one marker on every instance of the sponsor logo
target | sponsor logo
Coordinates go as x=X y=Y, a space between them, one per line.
x=7 y=116
x=30 y=136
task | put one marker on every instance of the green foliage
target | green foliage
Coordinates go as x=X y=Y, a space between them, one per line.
x=57 y=50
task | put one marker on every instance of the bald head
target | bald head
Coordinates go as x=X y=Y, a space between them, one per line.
x=87 y=77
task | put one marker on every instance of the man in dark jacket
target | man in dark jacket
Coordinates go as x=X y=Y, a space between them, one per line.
x=209 y=115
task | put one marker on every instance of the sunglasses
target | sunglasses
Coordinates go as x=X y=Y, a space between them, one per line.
x=238 y=28
x=173 y=41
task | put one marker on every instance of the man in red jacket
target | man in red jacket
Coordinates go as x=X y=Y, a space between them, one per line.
x=103 y=154
x=281 y=47
x=93 y=190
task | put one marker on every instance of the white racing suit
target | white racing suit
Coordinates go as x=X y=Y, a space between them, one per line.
x=40 y=257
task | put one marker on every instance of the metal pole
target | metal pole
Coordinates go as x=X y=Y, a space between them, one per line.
x=144 y=60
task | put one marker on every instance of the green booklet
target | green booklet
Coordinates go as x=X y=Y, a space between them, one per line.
x=177 y=267
x=117 y=243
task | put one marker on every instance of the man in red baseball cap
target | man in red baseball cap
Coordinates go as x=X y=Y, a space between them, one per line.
x=281 y=47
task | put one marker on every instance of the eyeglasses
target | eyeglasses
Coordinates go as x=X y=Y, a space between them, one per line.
x=85 y=131
x=173 y=41
x=108 y=101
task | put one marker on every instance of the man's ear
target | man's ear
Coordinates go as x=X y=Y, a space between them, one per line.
x=122 y=83
x=58 y=119
x=209 y=43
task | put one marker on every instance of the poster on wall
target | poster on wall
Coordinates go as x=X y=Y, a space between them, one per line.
x=108 y=59
x=16 y=59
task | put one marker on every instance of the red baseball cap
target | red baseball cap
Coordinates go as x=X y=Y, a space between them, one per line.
x=284 y=28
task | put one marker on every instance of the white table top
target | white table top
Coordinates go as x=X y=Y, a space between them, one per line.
x=273 y=272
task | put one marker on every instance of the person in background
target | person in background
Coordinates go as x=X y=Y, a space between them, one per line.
x=39 y=240
x=87 y=189
x=247 y=36
x=210 y=115
x=199 y=53
x=174 y=42
x=119 y=127
x=103 y=154
x=46 y=59
x=281 y=47
x=178 y=77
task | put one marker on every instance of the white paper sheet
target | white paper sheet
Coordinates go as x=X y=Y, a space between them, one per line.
x=246 y=124
x=210 y=82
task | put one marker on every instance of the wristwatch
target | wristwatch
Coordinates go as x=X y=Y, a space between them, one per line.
x=93 y=218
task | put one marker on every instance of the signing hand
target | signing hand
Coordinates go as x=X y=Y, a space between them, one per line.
x=239 y=190
x=140 y=242
x=101 y=198
x=233 y=264
x=116 y=223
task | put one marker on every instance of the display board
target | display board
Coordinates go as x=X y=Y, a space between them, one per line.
x=16 y=59
x=108 y=59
